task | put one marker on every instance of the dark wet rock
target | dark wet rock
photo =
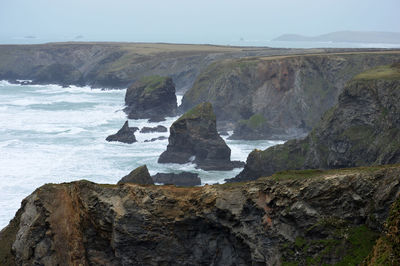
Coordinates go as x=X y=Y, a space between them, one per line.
x=158 y=128
x=155 y=139
x=185 y=179
x=152 y=97
x=362 y=129
x=126 y=134
x=290 y=218
x=194 y=138
x=139 y=176
x=156 y=119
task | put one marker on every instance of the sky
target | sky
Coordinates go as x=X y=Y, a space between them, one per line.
x=188 y=21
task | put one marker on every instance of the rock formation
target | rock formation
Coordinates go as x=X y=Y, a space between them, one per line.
x=362 y=129
x=254 y=128
x=138 y=176
x=155 y=139
x=290 y=93
x=185 y=179
x=194 y=138
x=151 y=97
x=158 y=128
x=301 y=217
x=126 y=134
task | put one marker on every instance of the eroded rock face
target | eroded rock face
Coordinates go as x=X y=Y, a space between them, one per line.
x=139 y=175
x=126 y=134
x=185 y=179
x=194 y=138
x=291 y=93
x=152 y=97
x=362 y=129
x=252 y=223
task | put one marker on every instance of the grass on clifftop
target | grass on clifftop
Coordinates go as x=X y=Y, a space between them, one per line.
x=201 y=110
x=389 y=72
x=255 y=121
x=313 y=173
x=153 y=82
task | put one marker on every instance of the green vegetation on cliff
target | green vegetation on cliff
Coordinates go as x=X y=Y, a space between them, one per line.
x=203 y=110
x=152 y=83
x=387 y=248
x=255 y=121
x=343 y=245
x=382 y=72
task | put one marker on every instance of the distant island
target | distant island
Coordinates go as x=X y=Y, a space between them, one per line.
x=345 y=36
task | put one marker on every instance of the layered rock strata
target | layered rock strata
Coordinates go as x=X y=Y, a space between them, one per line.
x=294 y=217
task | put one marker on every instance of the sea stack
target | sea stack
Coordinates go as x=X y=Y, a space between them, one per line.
x=152 y=98
x=194 y=138
x=126 y=134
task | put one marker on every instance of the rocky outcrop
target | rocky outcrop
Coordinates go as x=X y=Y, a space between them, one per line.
x=194 y=138
x=184 y=179
x=362 y=129
x=290 y=93
x=155 y=139
x=294 y=217
x=151 y=97
x=126 y=134
x=158 y=128
x=138 y=176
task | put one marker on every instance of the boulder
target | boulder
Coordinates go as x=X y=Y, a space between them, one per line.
x=126 y=134
x=194 y=138
x=158 y=128
x=184 y=179
x=151 y=98
x=138 y=176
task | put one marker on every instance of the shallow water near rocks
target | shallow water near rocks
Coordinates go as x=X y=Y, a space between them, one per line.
x=50 y=134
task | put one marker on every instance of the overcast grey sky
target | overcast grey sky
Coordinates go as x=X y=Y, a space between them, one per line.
x=191 y=21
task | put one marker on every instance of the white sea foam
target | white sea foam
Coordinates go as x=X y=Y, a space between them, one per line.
x=51 y=134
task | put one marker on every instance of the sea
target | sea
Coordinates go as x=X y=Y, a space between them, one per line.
x=51 y=134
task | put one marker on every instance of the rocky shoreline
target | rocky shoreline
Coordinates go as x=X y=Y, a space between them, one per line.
x=282 y=209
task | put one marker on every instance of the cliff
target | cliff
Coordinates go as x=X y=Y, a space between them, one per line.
x=117 y=65
x=305 y=217
x=362 y=129
x=286 y=94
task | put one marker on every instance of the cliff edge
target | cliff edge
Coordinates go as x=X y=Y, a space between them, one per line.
x=303 y=217
x=362 y=129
